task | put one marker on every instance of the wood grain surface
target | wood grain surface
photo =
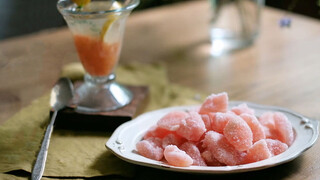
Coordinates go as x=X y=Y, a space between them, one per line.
x=282 y=68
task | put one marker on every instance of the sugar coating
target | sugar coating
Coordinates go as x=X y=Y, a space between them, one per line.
x=267 y=122
x=266 y=119
x=242 y=109
x=172 y=139
x=192 y=128
x=238 y=133
x=177 y=157
x=150 y=148
x=259 y=151
x=207 y=121
x=215 y=103
x=192 y=150
x=276 y=147
x=209 y=159
x=255 y=126
x=221 y=149
x=283 y=128
x=172 y=120
x=277 y=126
x=156 y=131
x=219 y=121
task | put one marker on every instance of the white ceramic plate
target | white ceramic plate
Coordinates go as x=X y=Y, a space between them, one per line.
x=123 y=141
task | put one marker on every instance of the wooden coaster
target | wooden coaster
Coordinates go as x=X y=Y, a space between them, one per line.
x=68 y=118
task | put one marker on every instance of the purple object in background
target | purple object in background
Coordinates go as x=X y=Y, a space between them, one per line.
x=285 y=22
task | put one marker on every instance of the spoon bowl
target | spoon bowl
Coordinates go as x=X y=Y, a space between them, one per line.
x=61 y=94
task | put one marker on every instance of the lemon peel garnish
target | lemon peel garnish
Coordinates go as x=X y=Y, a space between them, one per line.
x=81 y=3
x=111 y=19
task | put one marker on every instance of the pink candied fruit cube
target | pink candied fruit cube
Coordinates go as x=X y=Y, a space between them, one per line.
x=192 y=128
x=238 y=133
x=267 y=122
x=192 y=150
x=241 y=109
x=219 y=120
x=177 y=157
x=156 y=131
x=221 y=149
x=207 y=121
x=172 y=139
x=277 y=126
x=255 y=126
x=276 y=147
x=209 y=159
x=215 y=103
x=284 y=128
x=150 y=148
x=266 y=119
x=259 y=151
x=172 y=120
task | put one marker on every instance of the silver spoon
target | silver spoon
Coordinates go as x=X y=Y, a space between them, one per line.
x=61 y=95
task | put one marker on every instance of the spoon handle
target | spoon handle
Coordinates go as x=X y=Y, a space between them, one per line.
x=38 y=168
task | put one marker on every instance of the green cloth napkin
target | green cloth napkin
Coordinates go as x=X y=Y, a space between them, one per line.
x=80 y=154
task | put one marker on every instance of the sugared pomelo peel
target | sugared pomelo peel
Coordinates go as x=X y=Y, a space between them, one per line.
x=177 y=157
x=216 y=136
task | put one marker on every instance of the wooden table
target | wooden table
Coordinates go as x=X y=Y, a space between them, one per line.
x=282 y=68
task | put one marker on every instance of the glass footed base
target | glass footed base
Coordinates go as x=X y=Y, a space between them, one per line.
x=225 y=42
x=101 y=94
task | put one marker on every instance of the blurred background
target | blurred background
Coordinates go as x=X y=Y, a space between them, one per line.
x=19 y=17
